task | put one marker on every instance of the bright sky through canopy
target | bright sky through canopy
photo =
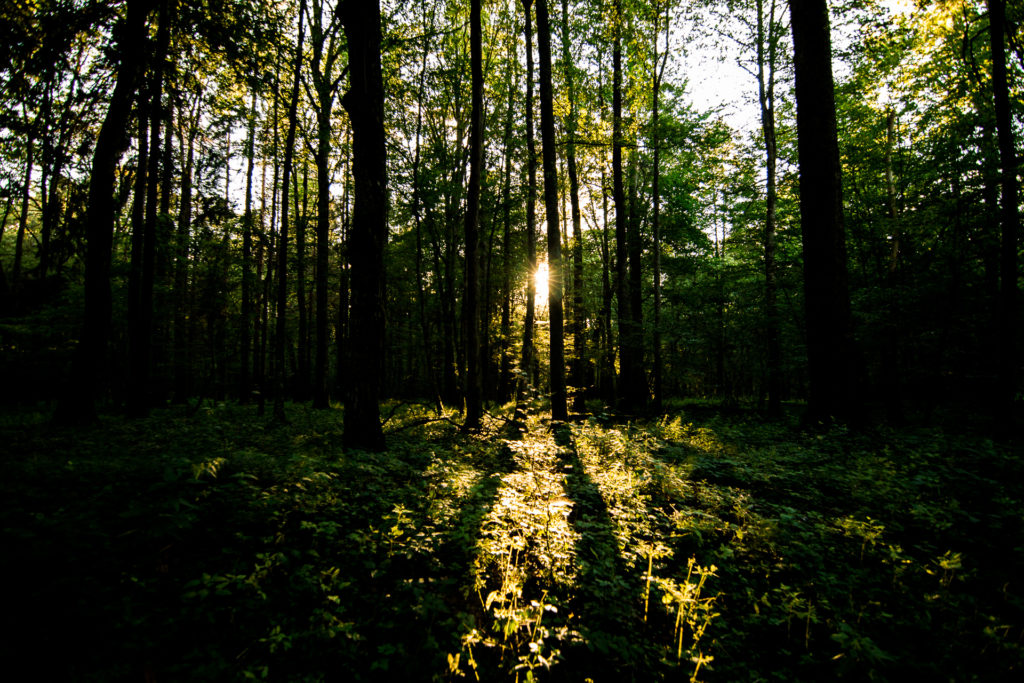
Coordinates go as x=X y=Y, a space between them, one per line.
x=540 y=279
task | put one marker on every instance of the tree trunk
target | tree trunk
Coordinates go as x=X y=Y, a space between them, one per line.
x=325 y=85
x=1010 y=218
x=471 y=324
x=26 y=197
x=138 y=213
x=302 y=346
x=505 y=371
x=559 y=409
x=829 y=338
x=281 y=329
x=656 y=222
x=891 y=369
x=244 y=381
x=531 y=209
x=365 y=105
x=580 y=372
x=766 y=37
x=181 y=366
x=89 y=365
x=606 y=373
x=417 y=213
x=627 y=360
x=141 y=330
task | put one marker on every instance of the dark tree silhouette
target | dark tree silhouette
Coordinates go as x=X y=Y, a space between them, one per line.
x=364 y=102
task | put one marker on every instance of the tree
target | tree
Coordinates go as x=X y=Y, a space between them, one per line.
x=630 y=383
x=526 y=370
x=1010 y=219
x=547 y=129
x=579 y=316
x=244 y=375
x=829 y=336
x=79 y=401
x=472 y=305
x=282 y=237
x=141 y=323
x=364 y=102
x=326 y=81
x=768 y=31
x=658 y=74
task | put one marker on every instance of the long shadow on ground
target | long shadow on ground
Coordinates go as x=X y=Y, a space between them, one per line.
x=608 y=598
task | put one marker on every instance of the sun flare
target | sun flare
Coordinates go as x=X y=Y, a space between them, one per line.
x=540 y=280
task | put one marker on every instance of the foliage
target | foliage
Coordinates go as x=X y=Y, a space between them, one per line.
x=201 y=543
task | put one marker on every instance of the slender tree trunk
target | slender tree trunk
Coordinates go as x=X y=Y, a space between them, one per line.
x=180 y=363
x=49 y=176
x=141 y=332
x=282 y=238
x=302 y=346
x=89 y=364
x=474 y=407
x=244 y=381
x=627 y=360
x=323 y=223
x=830 y=346
x=891 y=370
x=365 y=105
x=634 y=247
x=138 y=213
x=1010 y=218
x=766 y=59
x=342 y=334
x=656 y=221
x=417 y=213
x=531 y=194
x=325 y=89
x=167 y=164
x=505 y=373
x=3 y=276
x=559 y=410
x=579 y=317
x=26 y=198
x=607 y=370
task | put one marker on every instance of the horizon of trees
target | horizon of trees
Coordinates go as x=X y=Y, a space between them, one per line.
x=326 y=200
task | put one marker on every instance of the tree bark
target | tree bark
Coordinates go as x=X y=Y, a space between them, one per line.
x=766 y=37
x=326 y=86
x=26 y=197
x=301 y=389
x=474 y=407
x=282 y=237
x=526 y=371
x=1010 y=219
x=656 y=220
x=244 y=376
x=559 y=409
x=580 y=373
x=628 y=370
x=181 y=366
x=505 y=371
x=141 y=329
x=89 y=365
x=364 y=102
x=829 y=337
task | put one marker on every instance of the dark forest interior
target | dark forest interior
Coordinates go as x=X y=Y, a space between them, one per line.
x=512 y=339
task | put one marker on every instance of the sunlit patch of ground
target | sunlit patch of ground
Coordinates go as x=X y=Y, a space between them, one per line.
x=524 y=566
x=571 y=577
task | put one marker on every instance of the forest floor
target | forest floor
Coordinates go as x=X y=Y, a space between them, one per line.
x=212 y=545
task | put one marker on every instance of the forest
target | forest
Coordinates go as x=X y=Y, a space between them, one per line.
x=588 y=340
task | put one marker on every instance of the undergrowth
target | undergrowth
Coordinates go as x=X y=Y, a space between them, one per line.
x=211 y=545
